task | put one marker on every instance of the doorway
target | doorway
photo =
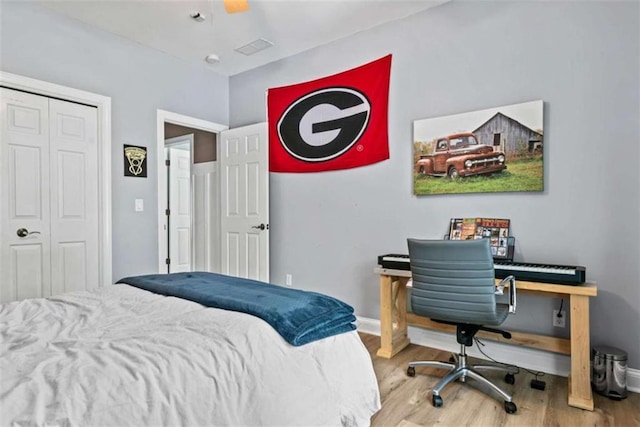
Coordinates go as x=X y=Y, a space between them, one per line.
x=229 y=200
x=187 y=194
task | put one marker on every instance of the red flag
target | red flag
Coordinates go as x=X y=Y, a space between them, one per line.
x=336 y=122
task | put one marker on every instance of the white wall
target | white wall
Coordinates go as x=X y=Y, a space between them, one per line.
x=581 y=58
x=38 y=43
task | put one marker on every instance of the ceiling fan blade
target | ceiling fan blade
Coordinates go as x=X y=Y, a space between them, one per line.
x=235 y=6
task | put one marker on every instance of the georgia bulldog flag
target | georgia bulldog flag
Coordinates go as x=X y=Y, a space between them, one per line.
x=336 y=122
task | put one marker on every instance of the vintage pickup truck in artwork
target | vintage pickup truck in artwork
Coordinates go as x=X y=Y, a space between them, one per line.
x=460 y=155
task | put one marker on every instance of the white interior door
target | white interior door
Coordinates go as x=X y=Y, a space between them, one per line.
x=24 y=196
x=244 y=198
x=49 y=196
x=180 y=209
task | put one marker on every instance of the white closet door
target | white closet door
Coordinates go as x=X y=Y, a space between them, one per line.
x=49 y=196
x=74 y=196
x=24 y=196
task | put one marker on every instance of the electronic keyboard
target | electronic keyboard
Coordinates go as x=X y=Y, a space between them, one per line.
x=526 y=271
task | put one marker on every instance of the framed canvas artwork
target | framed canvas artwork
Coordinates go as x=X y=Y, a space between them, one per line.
x=487 y=151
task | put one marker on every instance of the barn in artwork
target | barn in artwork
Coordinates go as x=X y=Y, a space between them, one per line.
x=509 y=136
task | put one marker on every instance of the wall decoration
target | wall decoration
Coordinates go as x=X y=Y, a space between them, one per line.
x=135 y=161
x=336 y=122
x=486 y=151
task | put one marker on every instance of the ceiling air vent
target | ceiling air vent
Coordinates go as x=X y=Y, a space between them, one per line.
x=254 y=47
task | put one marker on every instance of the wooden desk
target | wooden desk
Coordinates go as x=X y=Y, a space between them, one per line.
x=394 y=320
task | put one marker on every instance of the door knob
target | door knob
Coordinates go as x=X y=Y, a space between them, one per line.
x=23 y=232
x=260 y=227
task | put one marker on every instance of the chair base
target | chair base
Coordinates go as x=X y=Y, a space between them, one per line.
x=461 y=370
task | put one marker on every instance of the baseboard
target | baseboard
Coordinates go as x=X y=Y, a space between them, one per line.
x=529 y=358
x=633 y=380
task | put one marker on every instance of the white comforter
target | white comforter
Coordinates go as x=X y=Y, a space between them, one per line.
x=124 y=356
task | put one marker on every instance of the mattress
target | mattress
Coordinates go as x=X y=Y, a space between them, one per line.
x=120 y=355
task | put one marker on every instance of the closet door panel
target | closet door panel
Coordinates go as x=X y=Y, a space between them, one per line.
x=25 y=183
x=24 y=196
x=27 y=277
x=74 y=201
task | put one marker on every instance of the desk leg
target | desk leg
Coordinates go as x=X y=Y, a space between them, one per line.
x=393 y=315
x=580 y=394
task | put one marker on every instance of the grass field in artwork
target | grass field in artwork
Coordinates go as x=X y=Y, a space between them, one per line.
x=520 y=175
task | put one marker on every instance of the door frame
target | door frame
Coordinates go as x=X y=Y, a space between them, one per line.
x=103 y=105
x=163 y=117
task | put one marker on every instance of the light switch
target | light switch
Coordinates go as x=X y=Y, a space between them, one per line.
x=139 y=205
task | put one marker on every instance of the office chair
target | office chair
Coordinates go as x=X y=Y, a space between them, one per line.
x=454 y=283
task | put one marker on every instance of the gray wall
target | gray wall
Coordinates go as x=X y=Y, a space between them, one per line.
x=38 y=43
x=581 y=58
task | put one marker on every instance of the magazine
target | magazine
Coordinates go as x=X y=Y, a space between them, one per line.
x=495 y=229
x=468 y=229
x=455 y=229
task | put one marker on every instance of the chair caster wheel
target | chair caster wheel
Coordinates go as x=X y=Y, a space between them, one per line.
x=437 y=401
x=510 y=379
x=411 y=371
x=510 y=407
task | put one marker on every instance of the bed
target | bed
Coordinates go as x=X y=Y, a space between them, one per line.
x=121 y=355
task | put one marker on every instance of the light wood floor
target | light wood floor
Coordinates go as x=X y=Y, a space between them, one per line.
x=406 y=401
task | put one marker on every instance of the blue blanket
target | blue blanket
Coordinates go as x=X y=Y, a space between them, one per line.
x=299 y=316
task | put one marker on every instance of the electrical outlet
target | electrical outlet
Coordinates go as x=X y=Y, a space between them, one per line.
x=559 y=321
x=288 y=279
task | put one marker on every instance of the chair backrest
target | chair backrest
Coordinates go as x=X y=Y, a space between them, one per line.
x=454 y=280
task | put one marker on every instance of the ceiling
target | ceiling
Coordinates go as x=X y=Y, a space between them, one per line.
x=292 y=26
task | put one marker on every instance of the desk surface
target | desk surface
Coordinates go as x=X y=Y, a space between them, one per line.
x=546 y=288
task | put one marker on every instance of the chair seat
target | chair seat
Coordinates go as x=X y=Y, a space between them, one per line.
x=471 y=318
